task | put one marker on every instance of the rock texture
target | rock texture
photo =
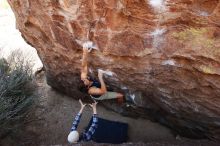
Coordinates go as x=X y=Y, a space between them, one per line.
x=166 y=52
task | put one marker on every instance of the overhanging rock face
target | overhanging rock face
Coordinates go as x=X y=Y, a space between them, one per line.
x=166 y=52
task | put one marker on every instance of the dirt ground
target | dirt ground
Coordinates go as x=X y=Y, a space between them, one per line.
x=55 y=113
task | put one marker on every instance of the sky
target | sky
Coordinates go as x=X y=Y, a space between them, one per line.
x=11 y=39
x=4 y=4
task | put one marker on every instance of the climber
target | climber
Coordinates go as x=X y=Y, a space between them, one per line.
x=98 y=130
x=97 y=90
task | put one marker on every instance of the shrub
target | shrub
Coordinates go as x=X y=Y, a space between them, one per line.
x=17 y=95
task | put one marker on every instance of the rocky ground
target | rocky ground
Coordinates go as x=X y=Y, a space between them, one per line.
x=54 y=114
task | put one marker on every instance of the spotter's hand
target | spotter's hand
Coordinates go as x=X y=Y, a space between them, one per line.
x=93 y=105
x=81 y=103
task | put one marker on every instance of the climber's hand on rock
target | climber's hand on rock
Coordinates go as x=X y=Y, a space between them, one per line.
x=85 y=50
x=87 y=45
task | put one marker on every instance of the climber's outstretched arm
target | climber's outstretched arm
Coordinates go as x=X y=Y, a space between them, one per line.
x=84 y=67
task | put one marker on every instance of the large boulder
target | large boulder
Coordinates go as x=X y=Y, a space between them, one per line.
x=165 y=52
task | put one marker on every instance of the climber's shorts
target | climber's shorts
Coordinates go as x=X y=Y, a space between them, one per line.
x=107 y=95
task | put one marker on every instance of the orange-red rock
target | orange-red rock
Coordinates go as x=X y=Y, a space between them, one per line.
x=167 y=52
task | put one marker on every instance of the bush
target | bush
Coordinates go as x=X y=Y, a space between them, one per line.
x=17 y=95
x=4 y=67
